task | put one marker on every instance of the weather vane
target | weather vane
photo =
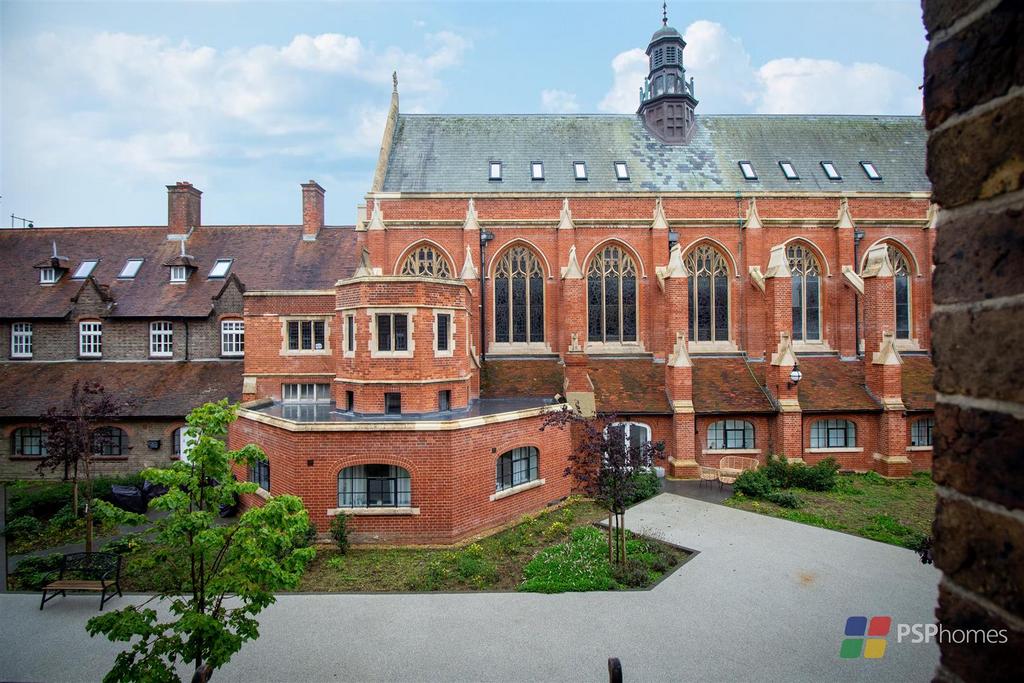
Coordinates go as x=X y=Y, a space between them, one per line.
x=664 y=14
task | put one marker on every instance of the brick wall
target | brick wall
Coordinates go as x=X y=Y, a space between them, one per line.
x=974 y=107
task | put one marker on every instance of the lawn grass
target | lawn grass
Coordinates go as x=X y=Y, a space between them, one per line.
x=895 y=511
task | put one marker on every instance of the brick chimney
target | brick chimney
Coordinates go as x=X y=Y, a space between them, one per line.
x=183 y=208
x=312 y=209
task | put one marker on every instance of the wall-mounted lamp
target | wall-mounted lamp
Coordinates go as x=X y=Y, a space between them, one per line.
x=794 y=377
x=486 y=236
x=673 y=238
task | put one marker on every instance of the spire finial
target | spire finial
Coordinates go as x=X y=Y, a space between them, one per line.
x=394 y=81
x=664 y=14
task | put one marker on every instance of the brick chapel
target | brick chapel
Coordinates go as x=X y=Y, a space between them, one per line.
x=725 y=284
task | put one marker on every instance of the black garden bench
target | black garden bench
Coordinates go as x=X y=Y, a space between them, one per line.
x=92 y=572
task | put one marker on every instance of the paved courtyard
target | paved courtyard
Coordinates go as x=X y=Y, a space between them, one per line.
x=765 y=599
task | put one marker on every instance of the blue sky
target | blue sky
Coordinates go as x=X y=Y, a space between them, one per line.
x=106 y=103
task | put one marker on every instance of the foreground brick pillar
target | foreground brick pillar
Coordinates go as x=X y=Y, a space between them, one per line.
x=679 y=369
x=470 y=274
x=789 y=440
x=974 y=109
x=573 y=306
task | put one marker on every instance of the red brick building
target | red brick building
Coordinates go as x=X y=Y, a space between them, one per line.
x=726 y=284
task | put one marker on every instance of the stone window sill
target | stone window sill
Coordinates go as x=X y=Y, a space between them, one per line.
x=835 y=450
x=731 y=451
x=711 y=347
x=919 y=448
x=262 y=493
x=505 y=493
x=26 y=457
x=109 y=458
x=373 y=512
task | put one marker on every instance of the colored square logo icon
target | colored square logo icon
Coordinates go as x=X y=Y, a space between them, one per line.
x=874 y=648
x=851 y=648
x=856 y=626
x=879 y=627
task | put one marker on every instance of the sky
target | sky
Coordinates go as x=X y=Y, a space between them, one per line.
x=104 y=104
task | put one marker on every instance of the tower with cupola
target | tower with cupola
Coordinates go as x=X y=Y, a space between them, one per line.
x=667 y=100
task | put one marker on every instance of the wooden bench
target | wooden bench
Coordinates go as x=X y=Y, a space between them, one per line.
x=732 y=466
x=91 y=572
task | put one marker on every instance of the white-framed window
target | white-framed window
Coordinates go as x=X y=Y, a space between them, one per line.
x=579 y=170
x=130 y=269
x=621 y=170
x=374 y=486
x=179 y=273
x=830 y=170
x=161 y=339
x=789 y=170
x=84 y=269
x=495 y=170
x=870 y=171
x=921 y=431
x=220 y=268
x=47 y=276
x=350 y=335
x=306 y=393
x=516 y=467
x=747 y=169
x=444 y=333
x=232 y=337
x=726 y=434
x=21 y=340
x=833 y=434
x=306 y=335
x=635 y=433
x=182 y=443
x=90 y=339
x=537 y=170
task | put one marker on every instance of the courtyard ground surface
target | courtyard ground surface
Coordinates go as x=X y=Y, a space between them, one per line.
x=765 y=599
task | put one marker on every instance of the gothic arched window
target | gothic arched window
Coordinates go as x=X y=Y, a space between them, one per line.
x=708 y=295
x=806 y=293
x=611 y=296
x=427 y=261
x=901 y=288
x=519 y=297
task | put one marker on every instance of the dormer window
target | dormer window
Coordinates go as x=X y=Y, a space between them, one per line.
x=495 y=173
x=747 y=169
x=179 y=273
x=621 y=170
x=830 y=170
x=84 y=269
x=131 y=269
x=789 y=171
x=537 y=170
x=870 y=170
x=47 y=276
x=220 y=268
x=579 y=170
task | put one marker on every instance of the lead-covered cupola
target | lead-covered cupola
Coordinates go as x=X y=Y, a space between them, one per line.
x=667 y=101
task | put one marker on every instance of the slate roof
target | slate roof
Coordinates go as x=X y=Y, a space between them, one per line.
x=830 y=384
x=265 y=257
x=152 y=389
x=918 y=373
x=727 y=385
x=541 y=378
x=628 y=386
x=432 y=153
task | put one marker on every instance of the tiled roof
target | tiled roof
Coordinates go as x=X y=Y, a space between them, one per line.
x=918 y=393
x=265 y=257
x=451 y=153
x=151 y=389
x=726 y=385
x=628 y=385
x=542 y=378
x=833 y=385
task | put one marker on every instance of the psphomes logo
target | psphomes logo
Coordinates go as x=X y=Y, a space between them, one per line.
x=865 y=638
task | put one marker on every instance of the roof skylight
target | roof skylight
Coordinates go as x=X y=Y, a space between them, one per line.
x=621 y=170
x=495 y=173
x=747 y=169
x=85 y=269
x=870 y=170
x=789 y=171
x=579 y=170
x=220 y=268
x=131 y=268
x=537 y=170
x=830 y=170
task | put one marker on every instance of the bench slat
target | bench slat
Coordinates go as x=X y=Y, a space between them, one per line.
x=66 y=584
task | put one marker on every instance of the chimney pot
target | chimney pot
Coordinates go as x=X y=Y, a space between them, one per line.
x=312 y=209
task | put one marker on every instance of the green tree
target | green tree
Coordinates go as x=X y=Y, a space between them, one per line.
x=228 y=573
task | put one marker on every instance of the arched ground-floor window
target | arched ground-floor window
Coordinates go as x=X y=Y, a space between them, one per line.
x=517 y=466
x=726 y=434
x=259 y=473
x=362 y=486
x=833 y=434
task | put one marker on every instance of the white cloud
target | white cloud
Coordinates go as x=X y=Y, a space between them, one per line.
x=558 y=102
x=629 y=69
x=727 y=81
